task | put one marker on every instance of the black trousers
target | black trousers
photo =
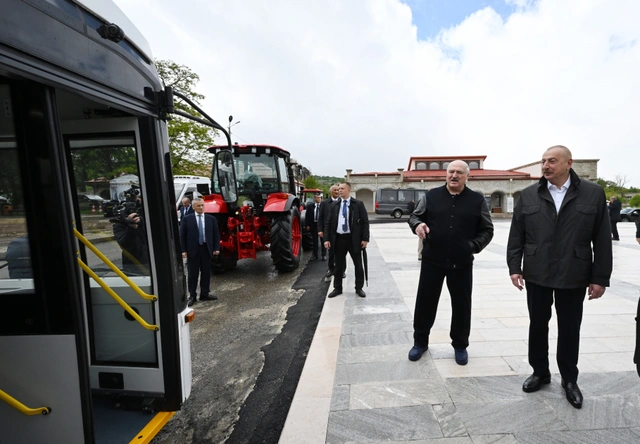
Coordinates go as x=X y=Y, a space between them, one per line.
x=614 y=230
x=317 y=240
x=344 y=244
x=569 y=313
x=199 y=265
x=460 y=284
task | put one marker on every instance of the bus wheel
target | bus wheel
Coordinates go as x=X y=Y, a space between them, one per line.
x=397 y=214
x=286 y=240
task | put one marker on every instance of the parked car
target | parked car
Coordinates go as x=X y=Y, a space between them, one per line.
x=629 y=214
x=85 y=202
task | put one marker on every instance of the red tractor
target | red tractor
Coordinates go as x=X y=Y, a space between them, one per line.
x=254 y=201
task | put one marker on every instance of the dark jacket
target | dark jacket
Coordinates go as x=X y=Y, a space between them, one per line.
x=638 y=228
x=134 y=245
x=460 y=226
x=308 y=217
x=325 y=211
x=189 y=238
x=184 y=211
x=358 y=222
x=614 y=210
x=567 y=249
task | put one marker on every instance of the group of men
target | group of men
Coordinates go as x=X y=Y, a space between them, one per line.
x=559 y=248
x=340 y=225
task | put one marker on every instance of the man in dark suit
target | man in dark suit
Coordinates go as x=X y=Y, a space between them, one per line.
x=614 y=216
x=311 y=221
x=200 y=240
x=348 y=231
x=559 y=248
x=323 y=225
x=185 y=208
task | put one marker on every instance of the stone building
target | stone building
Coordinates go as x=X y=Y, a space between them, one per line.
x=426 y=172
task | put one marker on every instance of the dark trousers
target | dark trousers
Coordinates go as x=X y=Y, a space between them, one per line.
x=614 y=230
x=569 y=313
x=317 y=240
x=459 y=283
x=200 y=264
x=344 y=244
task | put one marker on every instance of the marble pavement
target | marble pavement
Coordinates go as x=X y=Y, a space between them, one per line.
x=358 y=385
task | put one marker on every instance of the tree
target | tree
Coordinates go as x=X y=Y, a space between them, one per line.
x=635 y=201
x=311 y=182
x=621 y=181
x=188 y=140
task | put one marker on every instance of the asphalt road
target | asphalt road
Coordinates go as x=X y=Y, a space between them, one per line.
x=248 y=350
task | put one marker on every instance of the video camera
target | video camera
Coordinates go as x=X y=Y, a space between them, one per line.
x=131 y=202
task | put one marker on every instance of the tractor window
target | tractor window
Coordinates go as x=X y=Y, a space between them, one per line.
x=256 y=174
x=223 y=177
x=284 y=174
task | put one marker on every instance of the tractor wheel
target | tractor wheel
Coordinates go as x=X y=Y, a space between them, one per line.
x=286 y=240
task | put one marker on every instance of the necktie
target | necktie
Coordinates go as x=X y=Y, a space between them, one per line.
x=315 y=214
x=345 y=224
x=200 y=230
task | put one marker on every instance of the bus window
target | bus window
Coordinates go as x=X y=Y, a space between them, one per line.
x=388 y=195
x=16 y=274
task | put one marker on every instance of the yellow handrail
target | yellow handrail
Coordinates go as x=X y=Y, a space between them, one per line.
x=112 y=266
x=13 y=402
x=117 y=298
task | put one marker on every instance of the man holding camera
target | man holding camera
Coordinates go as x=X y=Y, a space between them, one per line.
x=130 y=233
x=200 y=240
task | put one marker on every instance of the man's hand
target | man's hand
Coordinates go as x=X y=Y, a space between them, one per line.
x=422 y=231
x=517 y=281
x=363 y=244
x=595 y=291
x=321 y=234
x=308 y=228
x=133 y=220
x=216 y=252
x=327 y=245
x=184 y=255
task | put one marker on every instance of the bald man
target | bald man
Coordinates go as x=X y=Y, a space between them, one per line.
x=454 y=223
x=560 y=230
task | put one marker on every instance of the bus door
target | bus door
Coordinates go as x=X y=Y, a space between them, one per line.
x=44 y=383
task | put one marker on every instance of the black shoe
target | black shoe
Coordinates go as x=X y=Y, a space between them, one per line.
x=335 y=292
x=324 y=258
x=574 y=395
x=462 y=357
x=533 y=383
x=329 y=274
x=191 y=301
x=313 y=258
x=209 y=297
x=360 y=292
x=416 y=352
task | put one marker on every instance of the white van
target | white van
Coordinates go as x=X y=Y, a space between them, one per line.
x=190 y=186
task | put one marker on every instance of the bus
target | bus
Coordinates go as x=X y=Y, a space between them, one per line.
x=94 y=323
x=395 y=201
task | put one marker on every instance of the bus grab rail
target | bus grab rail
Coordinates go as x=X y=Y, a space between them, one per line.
x=13 y=402
x=113 y=268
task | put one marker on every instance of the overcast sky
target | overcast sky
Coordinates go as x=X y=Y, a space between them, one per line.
x=365 y=84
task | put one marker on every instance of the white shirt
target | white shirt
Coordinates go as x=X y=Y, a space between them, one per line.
x=341 y=218
x=558 y=193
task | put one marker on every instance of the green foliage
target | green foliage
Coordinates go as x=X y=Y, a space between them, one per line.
x=311 y=182
x=635 y=201
x=188 y=140
x=106 y=163
x=625 y=195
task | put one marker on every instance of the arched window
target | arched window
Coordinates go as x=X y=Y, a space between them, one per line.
x=474 y=165
x=434 y=166
x=445 y=165
x=421 y=166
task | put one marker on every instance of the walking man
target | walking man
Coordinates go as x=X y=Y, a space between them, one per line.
x=323 y=222
x=312 y=219
x=561 y=228
x=614 y=216
x=454 y=223
x=200 y=240
x=348 y=230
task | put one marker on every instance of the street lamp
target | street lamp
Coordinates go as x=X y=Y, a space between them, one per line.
x=230 y=125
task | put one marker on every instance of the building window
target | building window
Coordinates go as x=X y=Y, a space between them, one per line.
x=445 y=165
x=474 y=165
x=434 y=166
x=421 y=166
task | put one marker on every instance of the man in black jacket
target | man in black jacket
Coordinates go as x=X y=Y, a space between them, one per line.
x=323 y=224
x=311 y=224
x=614 y=216
x=561 y=228
x=348 y=231
x=454 y=223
